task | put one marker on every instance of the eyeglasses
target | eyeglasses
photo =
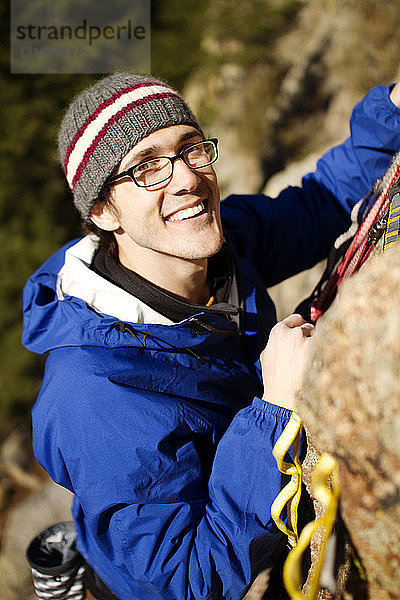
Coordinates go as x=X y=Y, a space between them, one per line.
x=153 y=171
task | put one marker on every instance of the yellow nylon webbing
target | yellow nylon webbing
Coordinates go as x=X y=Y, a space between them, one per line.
x=290 y=494
x=393 y=222
x=326 y=467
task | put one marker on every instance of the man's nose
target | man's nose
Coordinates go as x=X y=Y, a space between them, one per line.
x=183 y=177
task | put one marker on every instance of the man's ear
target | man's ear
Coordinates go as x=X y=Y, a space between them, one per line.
x=104 y=217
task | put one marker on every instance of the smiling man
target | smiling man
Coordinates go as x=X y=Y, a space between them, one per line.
x=169 y=224
x=155 y=410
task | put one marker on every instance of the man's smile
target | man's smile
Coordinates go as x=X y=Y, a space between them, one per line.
x=188 y=213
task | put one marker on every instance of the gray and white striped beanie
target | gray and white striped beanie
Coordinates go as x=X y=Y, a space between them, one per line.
x=105 y=121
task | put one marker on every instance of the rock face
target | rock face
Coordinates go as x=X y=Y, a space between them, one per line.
x=350 y=406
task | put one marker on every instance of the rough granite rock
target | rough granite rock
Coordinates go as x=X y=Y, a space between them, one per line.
x=349 y=403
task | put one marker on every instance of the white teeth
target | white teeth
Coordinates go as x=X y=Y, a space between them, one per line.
x=187 y=213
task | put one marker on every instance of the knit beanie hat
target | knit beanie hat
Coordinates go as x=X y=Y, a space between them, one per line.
x=105 y=121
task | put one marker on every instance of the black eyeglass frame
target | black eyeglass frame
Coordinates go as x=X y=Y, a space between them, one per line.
x=172 y=159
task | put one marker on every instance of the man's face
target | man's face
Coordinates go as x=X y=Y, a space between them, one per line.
x=179 y=218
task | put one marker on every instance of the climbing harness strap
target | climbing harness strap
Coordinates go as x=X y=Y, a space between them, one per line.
x=289 y=496
x=324 y=472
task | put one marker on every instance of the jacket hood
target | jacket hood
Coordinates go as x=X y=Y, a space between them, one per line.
x=65 y=303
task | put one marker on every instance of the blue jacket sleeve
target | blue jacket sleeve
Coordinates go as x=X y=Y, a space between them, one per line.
x=149 y=521
x=294 y=231
x=202 y=548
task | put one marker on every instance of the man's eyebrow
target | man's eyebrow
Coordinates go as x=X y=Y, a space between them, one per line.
x=189 y=135
x=156 y=149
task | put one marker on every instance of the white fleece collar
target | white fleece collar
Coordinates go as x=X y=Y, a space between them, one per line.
x=76 y=278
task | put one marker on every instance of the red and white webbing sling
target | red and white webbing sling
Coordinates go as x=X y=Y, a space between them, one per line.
x=374 y=216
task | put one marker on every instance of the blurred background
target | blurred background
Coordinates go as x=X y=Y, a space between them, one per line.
x=275 y=80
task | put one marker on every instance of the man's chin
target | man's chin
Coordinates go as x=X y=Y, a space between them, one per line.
x=203 y=250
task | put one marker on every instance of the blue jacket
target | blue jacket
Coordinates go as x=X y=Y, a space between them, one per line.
x=158 y=428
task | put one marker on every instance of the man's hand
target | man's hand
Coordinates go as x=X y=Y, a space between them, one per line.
x=284 y=359
x=395 y=95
